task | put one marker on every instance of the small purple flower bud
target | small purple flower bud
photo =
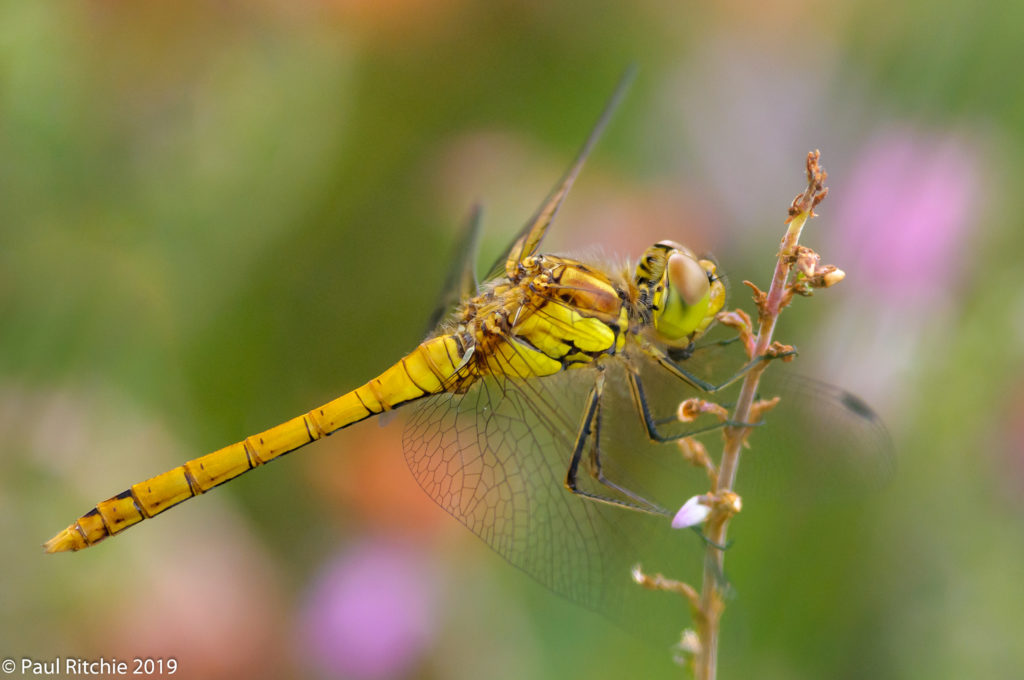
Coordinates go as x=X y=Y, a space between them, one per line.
x=693 y=512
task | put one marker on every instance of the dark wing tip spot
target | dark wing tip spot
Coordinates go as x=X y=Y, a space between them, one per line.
x=858 y=406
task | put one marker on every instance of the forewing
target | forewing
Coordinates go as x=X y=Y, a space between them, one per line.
x=529 y=238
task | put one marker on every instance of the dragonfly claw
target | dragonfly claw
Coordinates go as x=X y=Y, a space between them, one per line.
x=708 y=541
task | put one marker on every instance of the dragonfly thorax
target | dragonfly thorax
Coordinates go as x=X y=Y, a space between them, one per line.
x=554 y=314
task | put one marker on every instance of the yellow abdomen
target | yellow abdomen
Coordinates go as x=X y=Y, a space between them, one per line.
x=430 y=368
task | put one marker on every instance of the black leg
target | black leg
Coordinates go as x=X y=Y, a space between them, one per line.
x=674 y=367
x=650 y=424
x=589 y=434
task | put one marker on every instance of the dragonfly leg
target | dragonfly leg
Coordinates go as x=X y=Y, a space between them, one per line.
x=708 y=541
x=597 y=471
x=643 y=408
x=589 y=435
x=675 y=368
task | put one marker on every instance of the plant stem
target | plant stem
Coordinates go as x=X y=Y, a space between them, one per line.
x=712 y=601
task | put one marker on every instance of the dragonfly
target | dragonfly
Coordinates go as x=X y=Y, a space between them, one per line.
x=538 y=407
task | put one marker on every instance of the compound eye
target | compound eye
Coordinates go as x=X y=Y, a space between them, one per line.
x=688 y=278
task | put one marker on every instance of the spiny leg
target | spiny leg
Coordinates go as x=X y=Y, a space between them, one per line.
x=666 y=361
x=589 y=433
x=596 y=469
x=643 y=408
x=677 y=370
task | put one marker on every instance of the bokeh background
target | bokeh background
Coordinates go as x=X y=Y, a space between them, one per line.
x=214 y=216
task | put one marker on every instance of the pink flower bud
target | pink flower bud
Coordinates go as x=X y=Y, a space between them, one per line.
x=693 y=512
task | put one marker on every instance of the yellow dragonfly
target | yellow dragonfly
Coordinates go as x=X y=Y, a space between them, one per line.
x=517 y=400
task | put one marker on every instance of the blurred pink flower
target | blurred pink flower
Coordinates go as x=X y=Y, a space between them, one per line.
x=371 y=612
x=902 y=217
x=904 y=220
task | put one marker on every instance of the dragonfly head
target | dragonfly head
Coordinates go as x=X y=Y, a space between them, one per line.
x=683 y=291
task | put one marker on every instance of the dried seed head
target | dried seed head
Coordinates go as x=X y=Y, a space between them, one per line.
x=689 y=643
x=777 y=350
x=740 y=320
x=815 y=192
x=762 y=406
x=691 y=409
x=821 y=194
x=729 y=503
x=832 y=277
x=759 y=295
x=694 y=452
x=737 y=318
x=806 y=261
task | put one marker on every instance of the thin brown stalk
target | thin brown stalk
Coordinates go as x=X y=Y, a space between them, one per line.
x=770 y=304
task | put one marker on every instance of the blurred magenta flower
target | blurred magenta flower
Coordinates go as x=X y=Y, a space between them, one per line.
x=902 y=216
x=905 y=217
x=371 y=611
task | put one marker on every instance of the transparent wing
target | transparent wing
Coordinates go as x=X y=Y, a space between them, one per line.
x=461 y=282
x=531 y=235
x=820 y=443
x=496 y=458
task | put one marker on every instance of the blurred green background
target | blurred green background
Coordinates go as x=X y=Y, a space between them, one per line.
x=214 y=216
